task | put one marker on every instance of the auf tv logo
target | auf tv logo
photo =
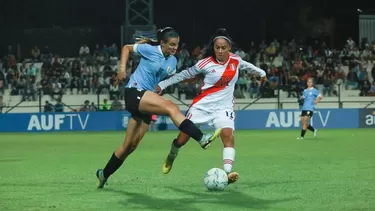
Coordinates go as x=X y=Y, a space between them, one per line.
x=370 y=119
x=293 y=119
x=55 y=122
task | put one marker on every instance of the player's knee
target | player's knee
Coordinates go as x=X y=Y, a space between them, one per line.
x=227 y=137
x=172 y=109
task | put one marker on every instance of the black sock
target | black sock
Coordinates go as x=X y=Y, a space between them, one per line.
x=303 y=133
x=191 y=130
x=113 y=164
x=311 y=128
x=177 y=145
x=174 y=149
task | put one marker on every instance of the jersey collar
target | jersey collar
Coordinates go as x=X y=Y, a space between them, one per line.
x=161 y=52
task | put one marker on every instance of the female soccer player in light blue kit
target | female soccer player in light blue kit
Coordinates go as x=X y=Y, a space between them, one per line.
x=157 y=62
x=311 y=97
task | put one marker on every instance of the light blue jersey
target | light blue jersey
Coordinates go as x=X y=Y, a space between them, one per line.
x=153 y=67
x=309 y=96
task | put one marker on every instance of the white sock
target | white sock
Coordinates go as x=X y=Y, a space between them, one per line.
x=228 y=158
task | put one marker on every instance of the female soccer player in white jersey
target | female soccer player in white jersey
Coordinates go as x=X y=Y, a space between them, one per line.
x=214 y=105
x=157 y=62
x=311 y=97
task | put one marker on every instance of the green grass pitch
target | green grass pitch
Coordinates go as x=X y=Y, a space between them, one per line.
x=56 y=171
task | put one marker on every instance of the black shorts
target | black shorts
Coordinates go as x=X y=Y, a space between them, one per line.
x=307 y=113
x=133 y=97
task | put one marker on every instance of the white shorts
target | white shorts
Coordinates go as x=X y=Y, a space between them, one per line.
x=217 y=119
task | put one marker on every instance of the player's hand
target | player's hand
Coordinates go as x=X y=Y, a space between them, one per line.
x=158 y=90
x=120 y=77
x=263 y=79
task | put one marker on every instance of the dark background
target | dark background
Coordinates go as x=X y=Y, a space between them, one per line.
x=195 y=20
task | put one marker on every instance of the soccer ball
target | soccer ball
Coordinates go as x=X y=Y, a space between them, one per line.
x=215 y=179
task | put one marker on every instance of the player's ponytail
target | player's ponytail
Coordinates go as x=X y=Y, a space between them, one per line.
x=161 y=34
x=166 y=33
x=143 y=40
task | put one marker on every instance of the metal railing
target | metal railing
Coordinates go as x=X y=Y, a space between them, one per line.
x=279 y=101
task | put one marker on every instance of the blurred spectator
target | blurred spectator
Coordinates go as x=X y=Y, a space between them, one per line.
x=59 y=106
x=75 y=83
x=340 y=75
x=46 y=56
x=350 y=43
x=2 y=105
x=113 y=88
x=364 y=87
x=85 y=107
x=48 y=107
x=351 y=80
x=371 y=92
x=105 y=106
x=327 y=85
x=96 y=50
x=46 y=86
x=85 y=85
x=84 y=51
x=154 y=118
x=293 y=89
x=271 y=52
x=254 y=88
x=35 y=53
x=367 y=55
x=30 y=88
x=116 y=105
x=2 y=83
x=56 y=90
x=93 y=107
x=113 y=51
x=242 y=83
x=240 y=53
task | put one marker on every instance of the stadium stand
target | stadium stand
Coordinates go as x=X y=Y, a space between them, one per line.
x=345 y=76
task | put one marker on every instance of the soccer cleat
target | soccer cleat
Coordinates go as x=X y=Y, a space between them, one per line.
x=315 y=131
x=101 y=178
x=208 y=138
x=168 y=163
x=233 y=177
x=299 y=138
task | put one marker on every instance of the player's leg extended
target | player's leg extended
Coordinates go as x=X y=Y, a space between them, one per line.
x=229 y=154
x=153 y=103
x=177 y=143
x=134 y=134
x=225 y=120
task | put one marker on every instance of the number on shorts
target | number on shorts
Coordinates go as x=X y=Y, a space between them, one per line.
x=230 y=114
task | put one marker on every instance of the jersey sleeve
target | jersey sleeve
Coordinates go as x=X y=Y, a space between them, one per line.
x=183 y=75
x=244 y=65
x=145 y=50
